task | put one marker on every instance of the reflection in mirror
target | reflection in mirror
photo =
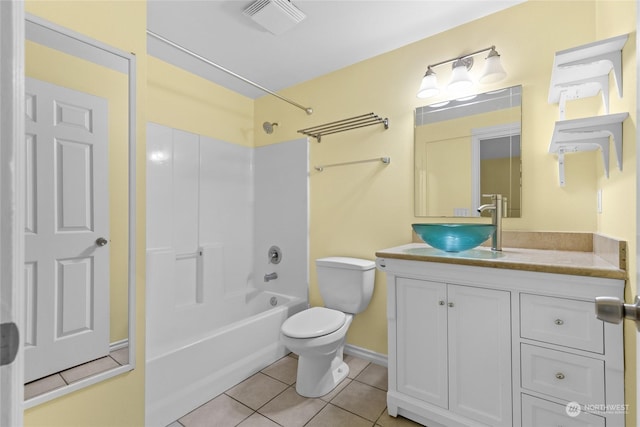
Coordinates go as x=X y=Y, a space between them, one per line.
x=79 y=253
x=465 y=149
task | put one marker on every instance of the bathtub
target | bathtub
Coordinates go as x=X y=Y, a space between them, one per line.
x=181 y=379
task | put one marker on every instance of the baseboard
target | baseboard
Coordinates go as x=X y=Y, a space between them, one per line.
x=117 y=345
x=363 y=353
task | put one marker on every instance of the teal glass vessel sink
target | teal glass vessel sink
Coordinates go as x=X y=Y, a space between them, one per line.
x=454 y=237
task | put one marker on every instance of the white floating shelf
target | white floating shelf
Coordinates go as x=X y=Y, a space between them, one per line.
x=588 y=134
x=583 y=71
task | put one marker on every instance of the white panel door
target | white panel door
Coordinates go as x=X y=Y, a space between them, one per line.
x=66 y=216
x=11 y=251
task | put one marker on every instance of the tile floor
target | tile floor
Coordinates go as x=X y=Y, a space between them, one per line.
x=269 y=399
x=113 y=360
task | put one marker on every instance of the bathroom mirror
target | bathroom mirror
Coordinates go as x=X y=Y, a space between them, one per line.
x=467 y=148
x=79 y=211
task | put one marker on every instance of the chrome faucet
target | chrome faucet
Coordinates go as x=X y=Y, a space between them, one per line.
x=496 y=219
x=270 y=276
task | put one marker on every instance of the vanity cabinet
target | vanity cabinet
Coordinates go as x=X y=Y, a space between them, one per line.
x=479 y=346
x=453 y=348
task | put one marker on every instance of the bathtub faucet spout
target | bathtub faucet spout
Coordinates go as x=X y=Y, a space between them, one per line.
x=270 y=276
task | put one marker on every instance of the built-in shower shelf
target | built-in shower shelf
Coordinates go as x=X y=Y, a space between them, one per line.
x=356 y=122
x=583 y=71
x=588 y=134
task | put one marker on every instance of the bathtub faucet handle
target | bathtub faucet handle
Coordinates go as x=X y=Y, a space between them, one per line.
x=275 y=255
x=270 y=276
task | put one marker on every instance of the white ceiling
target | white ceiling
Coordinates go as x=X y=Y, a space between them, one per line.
x=334 y=34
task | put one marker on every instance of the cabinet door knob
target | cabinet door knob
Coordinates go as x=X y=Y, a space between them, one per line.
x=560 y=376
x=450 y=304
x=559 y=322
x=441 y=302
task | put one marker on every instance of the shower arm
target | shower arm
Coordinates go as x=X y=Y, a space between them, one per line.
x=308 y=110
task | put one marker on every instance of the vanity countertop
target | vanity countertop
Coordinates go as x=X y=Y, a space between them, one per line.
x=579 y=263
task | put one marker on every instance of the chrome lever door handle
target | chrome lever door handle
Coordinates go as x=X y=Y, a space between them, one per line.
x=613 y=310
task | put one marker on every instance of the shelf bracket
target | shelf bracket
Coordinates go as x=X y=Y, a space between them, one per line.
x=578 y=89
x=614 y=58
x=588 y=134
x=599 y=135
x=561 y=179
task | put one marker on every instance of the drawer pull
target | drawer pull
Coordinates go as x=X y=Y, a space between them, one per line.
x=560 y=376
x=559 y=322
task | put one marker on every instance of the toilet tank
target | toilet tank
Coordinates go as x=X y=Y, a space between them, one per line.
x=346 y=284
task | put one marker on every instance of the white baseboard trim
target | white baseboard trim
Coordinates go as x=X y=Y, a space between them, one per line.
x=117 y=345
x=363 y=353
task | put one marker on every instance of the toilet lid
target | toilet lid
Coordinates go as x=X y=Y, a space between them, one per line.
x=313 y=322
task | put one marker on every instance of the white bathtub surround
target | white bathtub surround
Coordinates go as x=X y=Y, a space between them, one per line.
x=281 y=219
x=209 y=323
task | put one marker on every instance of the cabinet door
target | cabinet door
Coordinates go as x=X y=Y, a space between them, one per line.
x=480 y=354
x=422 y=340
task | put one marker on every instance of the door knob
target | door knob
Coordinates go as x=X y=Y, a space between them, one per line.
x=9 y=342
x=613 y=310
x=101 y=241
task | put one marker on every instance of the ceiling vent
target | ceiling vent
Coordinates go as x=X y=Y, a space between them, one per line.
x=276 y=16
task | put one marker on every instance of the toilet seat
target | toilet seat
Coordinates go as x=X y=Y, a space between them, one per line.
x=313 y=322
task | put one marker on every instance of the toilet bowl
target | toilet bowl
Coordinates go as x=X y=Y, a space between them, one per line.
x=317 y=335
x=320 y=351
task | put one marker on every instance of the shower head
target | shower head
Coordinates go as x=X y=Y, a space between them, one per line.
x=268 y=127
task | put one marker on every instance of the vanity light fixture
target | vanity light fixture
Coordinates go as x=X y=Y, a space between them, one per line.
x=461 y=83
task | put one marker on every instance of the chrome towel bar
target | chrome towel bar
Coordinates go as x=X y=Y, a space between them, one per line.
x=385 y=160
x=356 y=122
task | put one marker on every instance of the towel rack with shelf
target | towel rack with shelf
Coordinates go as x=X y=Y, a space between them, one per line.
x=356 y=122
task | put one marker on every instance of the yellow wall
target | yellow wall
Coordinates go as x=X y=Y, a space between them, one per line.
x=446 y=184
x=120 y=400
x=197 y=105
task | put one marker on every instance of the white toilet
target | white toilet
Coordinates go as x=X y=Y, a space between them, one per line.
x=317 y=334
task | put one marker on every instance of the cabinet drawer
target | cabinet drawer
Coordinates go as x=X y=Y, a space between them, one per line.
x=563 y=375
x=539 y=412
x=561 y=321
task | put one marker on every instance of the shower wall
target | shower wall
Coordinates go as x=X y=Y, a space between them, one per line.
x=281 y=217
x=213 y=210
